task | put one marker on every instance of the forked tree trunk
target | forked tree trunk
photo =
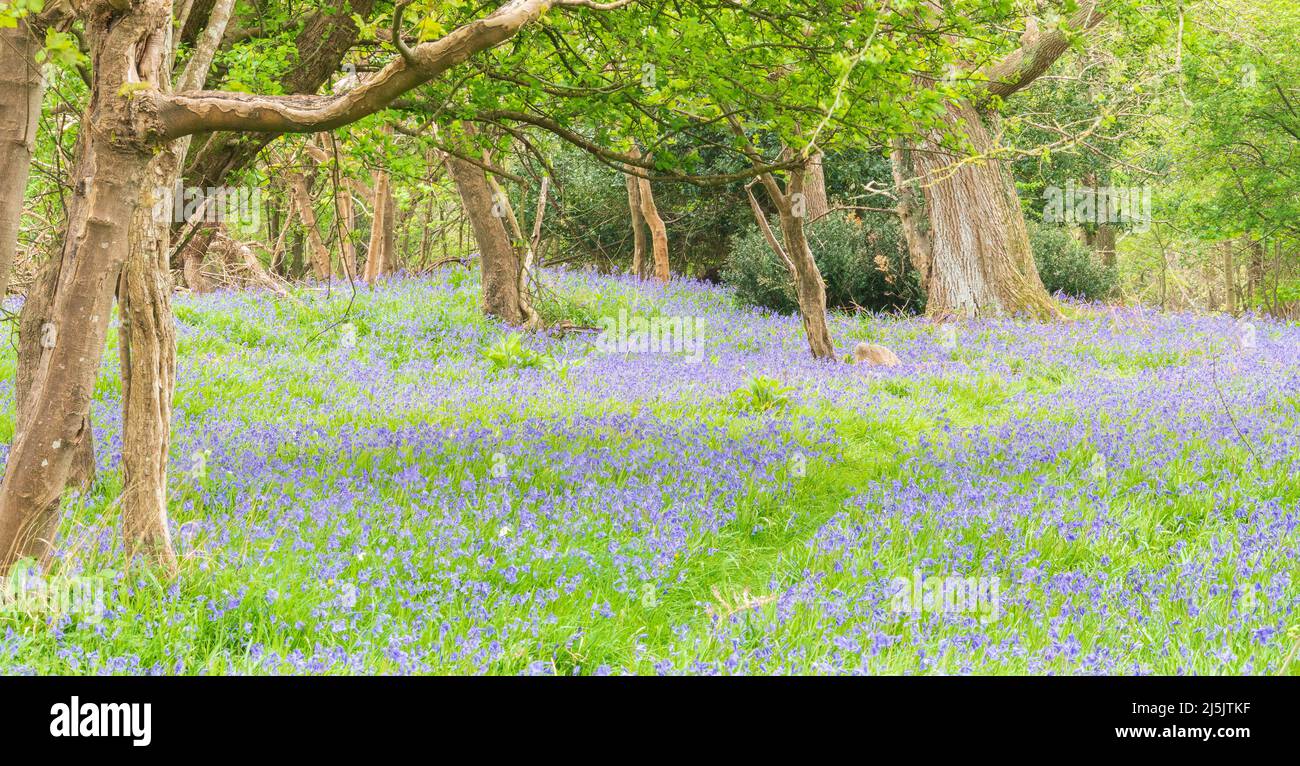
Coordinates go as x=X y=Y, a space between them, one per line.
x=147 y=339
x=978 y=262
x=525 y=252
x=809 y=287
x=497 y=257
x=655 y=222
x=638 y=225
x=21 y=89
x=658 y=232
x=53 y=421
x=794 y=251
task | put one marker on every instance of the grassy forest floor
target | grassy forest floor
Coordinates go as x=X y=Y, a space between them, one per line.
x=409 y=503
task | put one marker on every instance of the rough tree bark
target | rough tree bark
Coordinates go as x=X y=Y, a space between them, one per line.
x=961 y=218
x=127 y=48
x=147 y=346
x=816 y=202
x=21 y=89
x=978 y=262
x=147 y=340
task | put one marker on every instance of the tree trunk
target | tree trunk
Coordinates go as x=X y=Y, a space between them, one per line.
x=911 y=212
x=1255 y=272
x=499 y=262
x=816 y=203
x=347 y=224
x=638 y=225
x=525 y=252
x=21 y=89
x=389 y=262
x=979 y=262
x=1211 y=297
x=380 y=228
x=53 y=421
x=1229 y=279
x=147 y=347
x=192 y=256
x=35 y=315
x=1103 y=243
x=658 y=232
x=810 y=288
x=320 y=255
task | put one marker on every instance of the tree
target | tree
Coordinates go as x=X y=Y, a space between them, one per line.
x=793 y=79
x=1234 y=152
x=22 y=86
x=961 y=215
x=131 y=117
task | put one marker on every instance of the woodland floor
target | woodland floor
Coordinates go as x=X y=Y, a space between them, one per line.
x=407 y=505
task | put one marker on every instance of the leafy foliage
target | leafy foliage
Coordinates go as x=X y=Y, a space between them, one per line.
x=763 y=394
x=1067 y=266
x=861 y=257
x=510 y=352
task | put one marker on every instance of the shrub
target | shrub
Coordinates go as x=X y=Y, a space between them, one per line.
x=1067 y=266
x=762 y=394
x=861 y=258
x=510 y=352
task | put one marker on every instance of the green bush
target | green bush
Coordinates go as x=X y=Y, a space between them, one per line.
x=862 y=259
x=1068 y=266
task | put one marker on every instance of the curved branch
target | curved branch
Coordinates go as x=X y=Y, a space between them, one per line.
x=402 y=49
x=1028 y=62
x=632 y=164
x=192 y=112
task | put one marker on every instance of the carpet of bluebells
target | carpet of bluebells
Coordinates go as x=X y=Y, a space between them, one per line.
x=359 y=486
